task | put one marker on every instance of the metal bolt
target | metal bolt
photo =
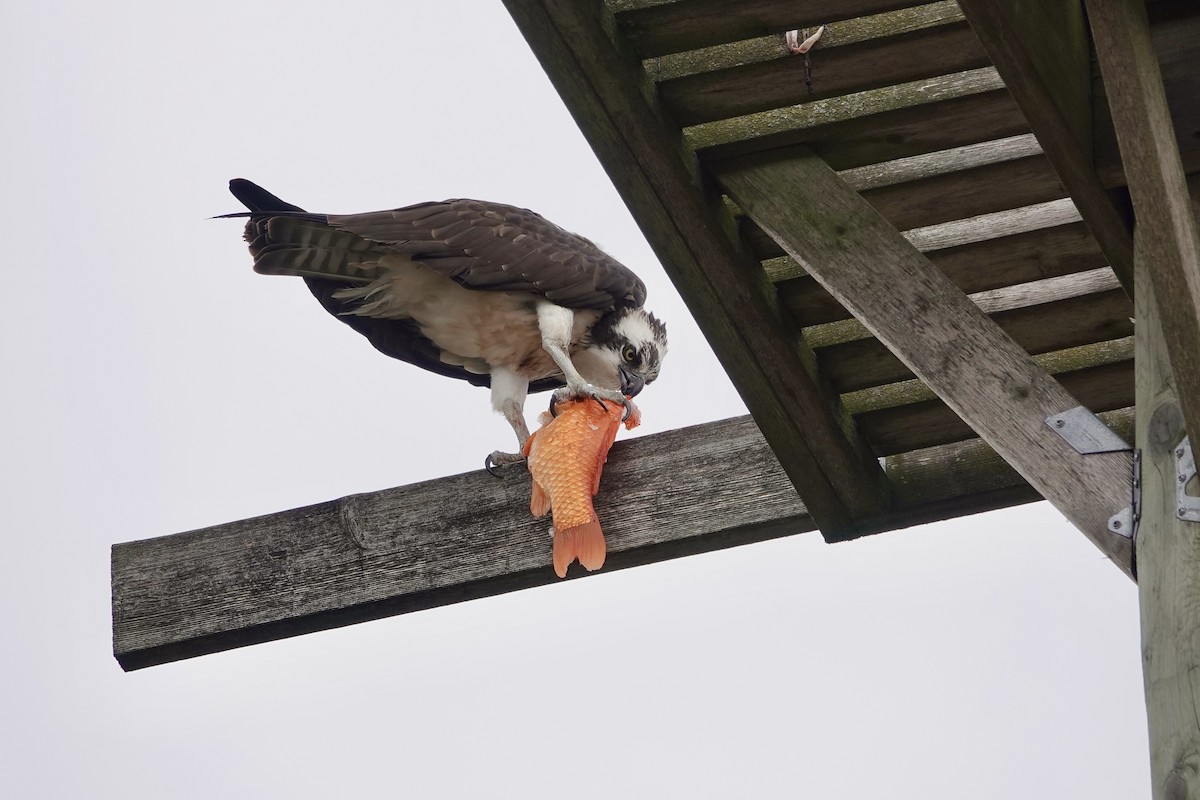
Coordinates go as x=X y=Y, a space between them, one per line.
x=1180 y=512
x=1179 y=453
x=1058 y=423
x=1116 y=524
x=1183 y=478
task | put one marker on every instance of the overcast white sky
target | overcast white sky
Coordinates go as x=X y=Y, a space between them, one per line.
x=155 y=384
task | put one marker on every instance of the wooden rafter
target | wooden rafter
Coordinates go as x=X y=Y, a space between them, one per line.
x=835 y=473
x=1041 y=51
x=383 y=553
x=930 y=325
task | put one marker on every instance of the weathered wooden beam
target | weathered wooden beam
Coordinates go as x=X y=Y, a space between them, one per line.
x=374 y=555
x=899 y=121
x=988 y=379
x=1166 y=221
x=1168 y=561
x=833 y=69
x=1041 y=51
x=656 y=29
x=683 y=220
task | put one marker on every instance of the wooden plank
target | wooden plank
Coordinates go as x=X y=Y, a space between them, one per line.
x=1166 y=218
x=673 y=27
x=1041 y=50
x=1103 y=387
x=732 y=301
x=973 y=267
x=832 y=70
x=373 y=555
x=981 y=373
x=879 y=125
x=866 y=362
x=773 y=46
x=1168 y=560
x=971 y=192
x=414 y=547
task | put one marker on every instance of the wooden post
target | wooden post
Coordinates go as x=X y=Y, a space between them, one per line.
x=1168 y=564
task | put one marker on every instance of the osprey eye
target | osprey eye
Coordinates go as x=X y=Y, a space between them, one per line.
x=628 y=353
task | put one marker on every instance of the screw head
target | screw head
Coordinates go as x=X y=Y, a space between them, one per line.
x=1179 y=453
x=1116 y=524
x=1180 y=512
x=1058 y=423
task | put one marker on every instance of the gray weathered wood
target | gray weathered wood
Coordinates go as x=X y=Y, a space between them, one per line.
x=1041 y=51
x=899 y=121
x=733 y=303
x=662 y=28
x=773 y=46
x=973 y=266
x=864 y=362
x=1168 y=564
x=1166 y=221
x=989 y=380
x=834 y=70
x=414 y=547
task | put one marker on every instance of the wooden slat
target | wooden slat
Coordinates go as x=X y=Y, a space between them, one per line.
x=879 y=125
x=830 y=467
x=1041 y=51
x=863 y=363
x=1166 y=220
x=773 y=46
x=981 y=373
x=967 y=193
x=834 y=71
x=414 y=547
x=1104 y=387
x=673 y=27
x=974 y=267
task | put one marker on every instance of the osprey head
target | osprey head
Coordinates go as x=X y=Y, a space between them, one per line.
x=625 y=350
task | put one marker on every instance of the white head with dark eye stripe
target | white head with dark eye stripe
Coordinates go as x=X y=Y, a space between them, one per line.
x=625 y=350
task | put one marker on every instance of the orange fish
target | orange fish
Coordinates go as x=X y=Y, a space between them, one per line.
x=566 y=456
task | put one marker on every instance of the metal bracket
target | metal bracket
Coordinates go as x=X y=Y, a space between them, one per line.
x=1084 y=431
x=1125 y=522
x=1187 y=507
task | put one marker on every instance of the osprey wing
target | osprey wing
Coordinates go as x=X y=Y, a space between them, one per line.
x=496 y=247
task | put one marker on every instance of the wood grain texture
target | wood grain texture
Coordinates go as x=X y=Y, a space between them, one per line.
x=865 y=362
x=879 y=125
x=1168 y=563
x=1041 y=51
x=834 y=71
x=1166 y=218
x=659 y=29
x=979 y=371
x=973 y=267
x=419 y=546
x=913 y=426
x=733 y=303
x=773 y=46
x=414 y=547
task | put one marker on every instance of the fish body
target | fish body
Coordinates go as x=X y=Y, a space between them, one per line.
x=566 y=456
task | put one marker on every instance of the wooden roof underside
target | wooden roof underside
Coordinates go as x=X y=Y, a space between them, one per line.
x=708 y=126
x=902 y=220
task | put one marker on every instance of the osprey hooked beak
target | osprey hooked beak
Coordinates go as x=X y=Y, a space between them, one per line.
x=631 y=382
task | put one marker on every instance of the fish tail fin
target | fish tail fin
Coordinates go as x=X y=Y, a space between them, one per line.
x=585 y=542
x=539 y=501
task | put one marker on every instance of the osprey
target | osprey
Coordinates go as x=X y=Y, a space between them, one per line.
x=491 y=294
